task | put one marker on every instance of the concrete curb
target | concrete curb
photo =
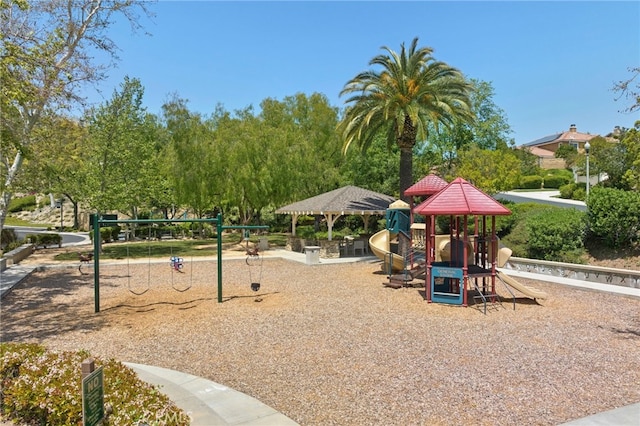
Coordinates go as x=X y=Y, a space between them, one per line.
x=208 y=403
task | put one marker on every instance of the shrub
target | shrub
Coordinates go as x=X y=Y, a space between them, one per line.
x=505 y=224
x=522 y=211
x=614 y=216
x=556 y=234
x=579 y=194
x=306 y=232
x=22 y=203
x=531 y=182
x=566 y=191
x=573 y=191
x=44 y=387
x=44 y=240
x=108 y=233
x=12 y=246
x=556 y=181
x=517 y=240
x=7 y=236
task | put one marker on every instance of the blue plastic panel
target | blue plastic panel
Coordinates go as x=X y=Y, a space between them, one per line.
x=449 y=274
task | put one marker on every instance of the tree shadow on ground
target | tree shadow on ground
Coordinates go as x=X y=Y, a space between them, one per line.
x=49 y=303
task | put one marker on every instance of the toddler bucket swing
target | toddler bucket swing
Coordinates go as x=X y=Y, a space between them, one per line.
x=254 y=262
x=177 y=264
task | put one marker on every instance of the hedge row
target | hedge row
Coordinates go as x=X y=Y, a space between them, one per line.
x=548 y=182
x=44 y=240
x=22 y=203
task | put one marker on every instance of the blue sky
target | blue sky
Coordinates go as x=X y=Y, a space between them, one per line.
x=551 y=64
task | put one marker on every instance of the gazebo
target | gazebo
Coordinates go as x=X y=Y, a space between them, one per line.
x=468 y=256
x=348 y=200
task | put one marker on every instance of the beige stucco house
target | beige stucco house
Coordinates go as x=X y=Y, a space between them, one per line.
x=545 y=148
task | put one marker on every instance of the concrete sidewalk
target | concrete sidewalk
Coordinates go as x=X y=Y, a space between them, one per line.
x=208 y=403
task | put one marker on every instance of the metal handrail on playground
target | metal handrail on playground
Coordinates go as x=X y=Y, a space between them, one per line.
x=98 y=221
x=483 y=296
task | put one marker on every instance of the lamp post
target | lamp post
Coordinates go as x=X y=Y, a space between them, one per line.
x=587 y=147
x=59 y=205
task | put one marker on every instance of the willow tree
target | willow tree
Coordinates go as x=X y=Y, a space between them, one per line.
x=410 y=94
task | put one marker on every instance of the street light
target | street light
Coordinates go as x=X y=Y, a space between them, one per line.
x=59 y=205
x=587 y=147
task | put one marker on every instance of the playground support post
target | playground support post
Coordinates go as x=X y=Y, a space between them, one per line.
x=96 y=263
x=219 y=244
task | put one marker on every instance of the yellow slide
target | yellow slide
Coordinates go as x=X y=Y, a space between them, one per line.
x=527 y=291
x=381 y=247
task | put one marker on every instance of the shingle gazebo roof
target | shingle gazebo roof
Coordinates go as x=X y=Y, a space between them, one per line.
x=461 y=198
x=346 y=200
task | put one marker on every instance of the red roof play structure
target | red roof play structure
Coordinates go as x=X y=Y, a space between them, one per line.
x=471 y=258
x=461 y=198
x=428 y=185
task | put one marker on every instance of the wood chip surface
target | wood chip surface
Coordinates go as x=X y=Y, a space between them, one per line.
x=330 y=345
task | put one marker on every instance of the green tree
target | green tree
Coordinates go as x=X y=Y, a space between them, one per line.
x=568 y=153
x=54 y=165
x=412 y=94
x=47 y=54
x=253 y=157
x=528 y=162
x=198 y=162
x=375 y=171
x=308 y=123
x=489 y=170
x=287 y=152
x=631 y=143
x=490 y=129
x=121 y=163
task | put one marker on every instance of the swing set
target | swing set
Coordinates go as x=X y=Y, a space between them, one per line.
x=176 y=262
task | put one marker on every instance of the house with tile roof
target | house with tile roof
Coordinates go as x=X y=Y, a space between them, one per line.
x=545 y=148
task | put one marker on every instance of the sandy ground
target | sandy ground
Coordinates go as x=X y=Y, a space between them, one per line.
x=330 y=345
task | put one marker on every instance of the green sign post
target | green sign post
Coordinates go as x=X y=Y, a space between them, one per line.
x=93 y=398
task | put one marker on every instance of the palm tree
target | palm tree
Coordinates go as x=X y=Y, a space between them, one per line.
x=412 y=95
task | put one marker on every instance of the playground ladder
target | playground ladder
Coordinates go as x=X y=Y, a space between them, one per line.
x=492 y=296
x=406 y=276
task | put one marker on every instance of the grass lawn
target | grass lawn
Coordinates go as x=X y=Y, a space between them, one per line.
x=183 y=248
x=14 y=221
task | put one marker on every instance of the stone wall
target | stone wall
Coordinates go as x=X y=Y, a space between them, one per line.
x=16 y=255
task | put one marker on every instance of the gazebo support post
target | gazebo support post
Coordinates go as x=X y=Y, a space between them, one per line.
x=294 y=221
x=331 y=219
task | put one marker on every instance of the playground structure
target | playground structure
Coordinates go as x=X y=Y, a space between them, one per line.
x=175 y=262
x=451 y=264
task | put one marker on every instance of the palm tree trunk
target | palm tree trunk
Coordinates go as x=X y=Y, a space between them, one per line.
x=406 y=142
x=406 y=171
